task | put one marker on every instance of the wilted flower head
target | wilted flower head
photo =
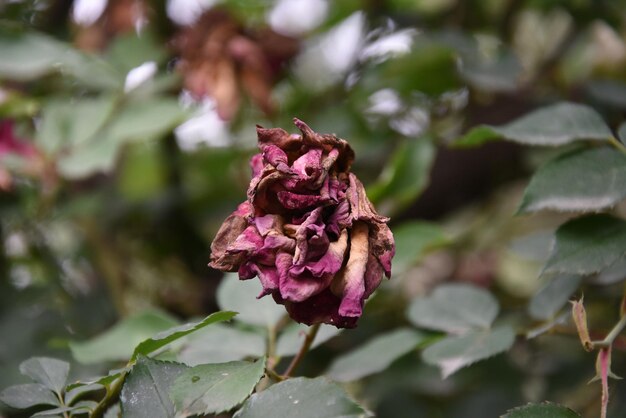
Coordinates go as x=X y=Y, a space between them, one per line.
x=307 y=229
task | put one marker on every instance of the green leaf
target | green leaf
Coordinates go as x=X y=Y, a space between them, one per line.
x=146 y=119
x=28 y=56
x=405 y=176
x=145 y=393
x=454 y=308
x=71 y=122
x=553 y=125
x=129 y=51
x=163 y=338
x=453 y=353
x=302 y=398
x=613 y=274
x=240 y=296
x=375 y=355
x=58 y=412
x=413 y=240
x=587 y=180
x=90 y=70
x=214 y=388
x=587 y=245
x=72 y=395
x=501 y=73
x=31 y=55
x=118 y=343
x=98 y=156
x=549 y=300
x=50 y=372
x=292 y=337
x=219 y=344
x=137 y=120
x=544 y=410
x=28 y=395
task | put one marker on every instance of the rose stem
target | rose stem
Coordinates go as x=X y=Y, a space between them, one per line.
x=308 y=340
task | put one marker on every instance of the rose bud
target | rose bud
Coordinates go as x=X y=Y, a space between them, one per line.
x=307 y=229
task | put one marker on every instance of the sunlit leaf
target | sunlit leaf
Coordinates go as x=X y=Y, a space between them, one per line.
x=453 y=353
x=587 y=180
x=454 y=308
x=553 y=125
x=587 y=245
x=374 y=356
x=302 y=398
x=214 y=388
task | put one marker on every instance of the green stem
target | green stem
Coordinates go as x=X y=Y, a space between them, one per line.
x=271 y=373
x=617 y=144
x=308 y=340
x=113 y=393
x=65 y=414
x=608 y=340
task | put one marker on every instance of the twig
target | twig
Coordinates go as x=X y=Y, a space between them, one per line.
x=608 y=340
x=617 y=144
x=308 y=340
x=110 y=398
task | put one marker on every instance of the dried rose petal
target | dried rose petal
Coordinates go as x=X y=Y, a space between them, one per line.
x=307 y=229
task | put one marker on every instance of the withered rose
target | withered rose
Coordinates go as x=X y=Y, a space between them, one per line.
x=307 y=229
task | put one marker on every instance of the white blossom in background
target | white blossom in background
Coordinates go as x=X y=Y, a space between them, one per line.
x=15 y=245
x=295 y=17
x=412 y=123
x=139 y=75
x=20 y=277
x=186 y=12
x=204 y=128
x=390 y=45
x=385 y=102
x=329 y=57
x=86 y=12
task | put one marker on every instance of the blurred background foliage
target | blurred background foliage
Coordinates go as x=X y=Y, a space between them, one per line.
x=126 y=131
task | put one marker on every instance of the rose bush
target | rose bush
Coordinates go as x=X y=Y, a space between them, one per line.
x=307 y=229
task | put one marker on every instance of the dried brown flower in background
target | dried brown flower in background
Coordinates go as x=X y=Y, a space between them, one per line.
x=119 y=17
x=219 y=58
